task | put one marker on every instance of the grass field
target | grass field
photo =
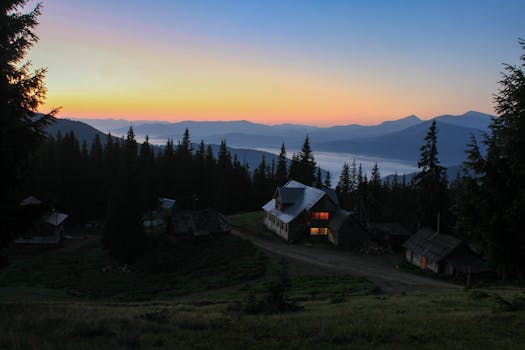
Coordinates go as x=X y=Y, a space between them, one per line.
x=186 y=295
x=251 y=221
x=455 y=320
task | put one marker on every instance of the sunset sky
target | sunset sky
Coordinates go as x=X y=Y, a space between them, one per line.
x=312 y=62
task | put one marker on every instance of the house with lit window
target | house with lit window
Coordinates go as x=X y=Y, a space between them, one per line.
x=297 y=211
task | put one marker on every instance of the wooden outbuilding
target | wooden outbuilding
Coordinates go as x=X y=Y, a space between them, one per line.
x=442 y=253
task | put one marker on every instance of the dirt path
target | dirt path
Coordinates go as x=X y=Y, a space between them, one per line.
x=388 y=278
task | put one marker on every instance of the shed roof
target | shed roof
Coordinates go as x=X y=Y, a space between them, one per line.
x=435 y=246
x=31 y=200
x=167 y=203
x=305 y=197
x=56 y=218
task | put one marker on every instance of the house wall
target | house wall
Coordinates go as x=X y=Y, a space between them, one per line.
x=275 y=225
x=415 y=259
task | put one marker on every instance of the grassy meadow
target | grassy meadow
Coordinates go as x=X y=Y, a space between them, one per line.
x=193 y=294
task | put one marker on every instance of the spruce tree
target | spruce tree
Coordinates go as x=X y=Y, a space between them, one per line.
x=328 y=180
x=491 y=203
x=431 y=183
x=123 y=231
x=307 y=166
x=22 y=91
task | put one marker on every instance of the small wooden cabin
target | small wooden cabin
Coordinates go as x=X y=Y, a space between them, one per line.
x=442 y=253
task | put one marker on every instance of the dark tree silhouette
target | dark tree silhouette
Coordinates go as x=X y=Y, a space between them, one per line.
x=431 y=182
x=491 y=204
x=306 y=166
x=22 y=91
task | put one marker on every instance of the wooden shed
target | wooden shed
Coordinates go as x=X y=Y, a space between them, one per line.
x=442 y=253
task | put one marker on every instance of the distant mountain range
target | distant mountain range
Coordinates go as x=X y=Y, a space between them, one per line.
x=397 y=139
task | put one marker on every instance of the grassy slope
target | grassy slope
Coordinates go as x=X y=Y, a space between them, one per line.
x=180 y=296
x=434 y=321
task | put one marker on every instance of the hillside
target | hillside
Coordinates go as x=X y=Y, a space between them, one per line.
x=82 y=131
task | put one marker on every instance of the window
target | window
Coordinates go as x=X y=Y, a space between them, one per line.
x=318 y=231
x=323 y=215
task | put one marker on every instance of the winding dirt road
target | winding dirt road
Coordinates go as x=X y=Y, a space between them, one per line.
x=388 y=278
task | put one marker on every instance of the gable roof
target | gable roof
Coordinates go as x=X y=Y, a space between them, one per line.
x=56 y=218
x=331 y=194
x=31 y=200
x=167 y=203
x=304 y=197
x=434 y=246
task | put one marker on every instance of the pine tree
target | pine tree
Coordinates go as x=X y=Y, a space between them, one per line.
x=431 y=183
x=21 y=93
x=375 y=178
x=293 y=173
x=281 y=173
x=343 y=186
x=307 y=166
x=123 y=231
x=353 y=177
x=328 y=180
x=491 y=204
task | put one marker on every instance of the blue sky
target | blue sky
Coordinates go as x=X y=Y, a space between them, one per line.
x=321 y=62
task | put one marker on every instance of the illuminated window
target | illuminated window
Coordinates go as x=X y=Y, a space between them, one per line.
x=320 y=215
x=318 y=231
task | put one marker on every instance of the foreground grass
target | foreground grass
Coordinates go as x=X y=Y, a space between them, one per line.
x=453 y=320
x=167 y=271
x=187 y=295
x=251 y=221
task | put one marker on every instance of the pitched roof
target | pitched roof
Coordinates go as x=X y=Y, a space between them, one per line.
x=434 y=246
x=331 y=194
x=166 y=203
x=56 y=218
x=31 y=200
x=304 y=198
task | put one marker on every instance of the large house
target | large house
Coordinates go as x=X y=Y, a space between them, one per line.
x=297 y=211
x=442 y=253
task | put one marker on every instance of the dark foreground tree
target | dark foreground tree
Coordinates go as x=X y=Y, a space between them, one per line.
x=492 y=207
x=431 y=182
x=123 y=231
x=21 y=93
